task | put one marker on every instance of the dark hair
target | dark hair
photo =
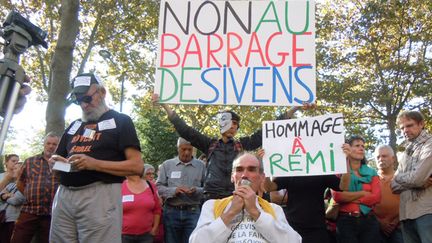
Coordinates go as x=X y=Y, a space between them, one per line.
x=9 y=156
x=413 y=115
x=351 y=140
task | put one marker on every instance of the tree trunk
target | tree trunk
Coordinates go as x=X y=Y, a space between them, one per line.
x=392 y=130
x=61 y=66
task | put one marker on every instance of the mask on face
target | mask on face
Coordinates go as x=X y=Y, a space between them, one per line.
x=225 y=121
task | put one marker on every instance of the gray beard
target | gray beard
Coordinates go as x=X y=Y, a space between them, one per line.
x=95 y=114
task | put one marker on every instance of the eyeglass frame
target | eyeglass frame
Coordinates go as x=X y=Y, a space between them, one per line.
x=86 y=98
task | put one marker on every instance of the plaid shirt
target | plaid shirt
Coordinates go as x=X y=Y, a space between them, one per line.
x=414 y=169
x=38 y=184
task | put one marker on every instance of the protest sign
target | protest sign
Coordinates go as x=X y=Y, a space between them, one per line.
x=302 y=147
x=236 y=52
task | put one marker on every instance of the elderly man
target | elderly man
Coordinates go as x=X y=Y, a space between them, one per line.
x=387 y=211
x=38 y=184
x=244 y=217
x=413 y=179
x=102 y=147
x=180 y=184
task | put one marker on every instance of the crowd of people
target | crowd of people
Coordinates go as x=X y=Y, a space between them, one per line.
x=108 y=194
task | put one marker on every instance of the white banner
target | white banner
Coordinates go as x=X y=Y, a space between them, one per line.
x=306 y=146
x=236 y=52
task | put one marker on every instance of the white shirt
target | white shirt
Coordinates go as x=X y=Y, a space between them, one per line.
x=265 y=230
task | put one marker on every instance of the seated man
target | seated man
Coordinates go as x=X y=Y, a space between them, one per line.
x=243 y=216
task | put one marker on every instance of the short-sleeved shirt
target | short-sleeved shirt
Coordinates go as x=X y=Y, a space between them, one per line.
x=305 y=205
x=105 y=139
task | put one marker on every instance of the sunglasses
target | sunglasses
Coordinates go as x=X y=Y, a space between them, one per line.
x=86 y=98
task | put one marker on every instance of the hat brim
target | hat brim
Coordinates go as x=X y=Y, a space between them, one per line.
x=80 y=90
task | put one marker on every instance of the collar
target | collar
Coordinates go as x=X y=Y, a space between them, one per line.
x=186 y=164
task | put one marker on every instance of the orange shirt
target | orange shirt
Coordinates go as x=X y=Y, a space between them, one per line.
x=388 y=209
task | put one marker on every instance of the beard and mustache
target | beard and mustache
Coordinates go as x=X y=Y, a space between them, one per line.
x=96 y=113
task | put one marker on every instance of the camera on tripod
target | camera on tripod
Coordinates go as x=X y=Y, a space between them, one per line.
x=19 y=34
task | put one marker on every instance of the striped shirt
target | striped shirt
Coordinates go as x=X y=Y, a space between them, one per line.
x=38 y=184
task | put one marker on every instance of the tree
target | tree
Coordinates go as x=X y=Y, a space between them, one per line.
x=61 y=66
x=126 y=29
x=374 y=59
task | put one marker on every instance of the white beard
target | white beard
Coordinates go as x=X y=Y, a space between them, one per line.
x=96 y=113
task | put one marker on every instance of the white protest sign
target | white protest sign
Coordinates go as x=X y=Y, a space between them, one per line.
x=305 y=146
x=236 y=52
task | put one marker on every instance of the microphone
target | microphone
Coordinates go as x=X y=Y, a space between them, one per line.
x=245 y=182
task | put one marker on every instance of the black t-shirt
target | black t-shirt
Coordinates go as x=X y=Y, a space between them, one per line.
x=105 y=139
x=305 y=205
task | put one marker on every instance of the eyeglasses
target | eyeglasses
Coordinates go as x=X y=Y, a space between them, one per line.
x=86 y=98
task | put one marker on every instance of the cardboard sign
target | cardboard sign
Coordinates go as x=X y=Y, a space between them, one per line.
x=302 y=147
x=236 y=52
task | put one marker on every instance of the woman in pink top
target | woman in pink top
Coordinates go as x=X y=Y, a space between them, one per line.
x=356 y=222
x=141 y=210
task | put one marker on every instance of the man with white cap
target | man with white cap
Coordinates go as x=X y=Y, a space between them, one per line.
x=101 y=148
x=180 y=184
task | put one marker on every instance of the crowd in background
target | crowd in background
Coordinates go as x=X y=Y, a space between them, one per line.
x=363 y=205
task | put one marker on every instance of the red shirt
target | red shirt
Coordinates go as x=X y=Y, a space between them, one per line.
x=139 y=210
x=370 y=200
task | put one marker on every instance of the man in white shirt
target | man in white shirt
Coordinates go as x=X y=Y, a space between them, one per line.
x=243 y=216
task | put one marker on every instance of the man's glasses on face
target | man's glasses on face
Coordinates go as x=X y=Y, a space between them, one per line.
x=86 y=98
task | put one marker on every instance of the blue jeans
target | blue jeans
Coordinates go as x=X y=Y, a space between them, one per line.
x=417 y=230
x=363 y=229
x=179 y=224
x=394 y=237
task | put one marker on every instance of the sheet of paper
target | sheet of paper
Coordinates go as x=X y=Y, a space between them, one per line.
x=62 y=166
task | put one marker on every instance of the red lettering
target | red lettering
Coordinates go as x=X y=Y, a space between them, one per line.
x=165 y=50
x=196 y=52
x=210 y=51
x=295 y=50
x=254 y=39
x=281 y=54
x=297 y=144
x=231 y=48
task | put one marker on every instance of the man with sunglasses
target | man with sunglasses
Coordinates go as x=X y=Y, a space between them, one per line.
x=101 y=148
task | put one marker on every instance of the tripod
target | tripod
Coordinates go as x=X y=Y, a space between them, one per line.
x=19 y=34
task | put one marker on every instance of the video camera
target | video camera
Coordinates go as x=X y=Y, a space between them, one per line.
x=19 y=34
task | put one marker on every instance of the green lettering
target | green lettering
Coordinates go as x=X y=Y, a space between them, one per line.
x=310 y=160
x=183 y=84
x=161 y=99
x=306 y=24
x=275 y=159
x=291 y=162
x=332 y=161
x=275 y=20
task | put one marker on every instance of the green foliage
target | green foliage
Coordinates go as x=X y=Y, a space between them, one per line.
x=374 y=60
x=157 y=136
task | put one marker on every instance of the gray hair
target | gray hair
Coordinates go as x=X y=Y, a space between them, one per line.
x=182 y=141
x=148 y=167
x=384 y=146
x=51 y=135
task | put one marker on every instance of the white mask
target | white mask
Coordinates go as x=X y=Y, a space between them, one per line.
x=225 y=121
